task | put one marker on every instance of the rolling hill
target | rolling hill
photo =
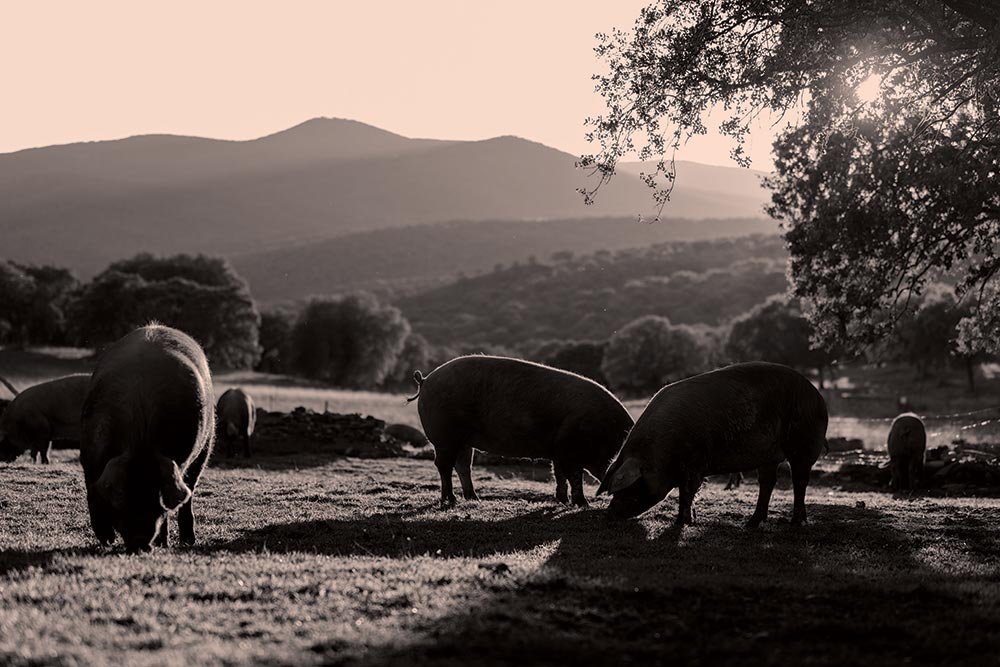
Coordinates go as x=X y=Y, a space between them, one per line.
x=592 y=296
x=422 y=256
x=85 y=205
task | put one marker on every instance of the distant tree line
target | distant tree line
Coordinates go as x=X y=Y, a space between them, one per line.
x=358 y=340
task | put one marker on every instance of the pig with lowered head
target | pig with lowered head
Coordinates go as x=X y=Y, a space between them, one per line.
x=40 y=414
x=235 y=416
x=907 y=445
x=518 y=408
x=148 y=429
x=744 y=416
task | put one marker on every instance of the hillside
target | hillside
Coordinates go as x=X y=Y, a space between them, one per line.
x=421 y=255
x=85 y=205
x=591 y=296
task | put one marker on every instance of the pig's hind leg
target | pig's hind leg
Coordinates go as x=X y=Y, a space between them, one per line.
x=444 y=460
x=692 y=481
x=562 y=494
x=576 y=486
x=800 y=480
x=185 y=514
x=767 y=477
x=463 y=466
x=163 y=536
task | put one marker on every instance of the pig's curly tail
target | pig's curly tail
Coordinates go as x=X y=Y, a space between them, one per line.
x=418 y=377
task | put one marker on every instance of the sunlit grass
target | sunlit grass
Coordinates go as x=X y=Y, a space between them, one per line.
x=351 y=561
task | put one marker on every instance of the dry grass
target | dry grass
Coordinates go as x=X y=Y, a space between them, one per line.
x=350 y=562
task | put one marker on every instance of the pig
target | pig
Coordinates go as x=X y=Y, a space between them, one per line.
x=407 y=434
x=40 y=414
x=744 y=416
x=148 y=429
x=235 y=417
x=907 y=443
x=518 y=408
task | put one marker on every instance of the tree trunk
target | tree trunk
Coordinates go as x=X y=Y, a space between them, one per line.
x=970 y=373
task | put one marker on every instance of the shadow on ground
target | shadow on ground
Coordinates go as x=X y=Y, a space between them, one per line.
x=622 y=592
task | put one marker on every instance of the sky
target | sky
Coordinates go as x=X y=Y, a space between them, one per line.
x=81 y=71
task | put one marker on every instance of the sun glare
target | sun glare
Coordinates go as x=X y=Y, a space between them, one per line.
x=870 y=89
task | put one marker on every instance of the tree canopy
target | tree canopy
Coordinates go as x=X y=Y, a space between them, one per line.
x=775 y=331
x=199 y=295
x=650 y=352
x=887 y=178
x=35 y=299
x=350 y=340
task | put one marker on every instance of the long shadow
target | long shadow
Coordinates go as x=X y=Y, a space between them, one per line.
x=621 y=592
x=14 y=560
x=280 y=459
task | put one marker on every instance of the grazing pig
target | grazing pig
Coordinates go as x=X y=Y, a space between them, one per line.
x=40 y=414
x=148 y=429
x=407 y=434
x=907 y=444
x=735 y=481
x=518 y=408
x=235 y=416
x=752 y=415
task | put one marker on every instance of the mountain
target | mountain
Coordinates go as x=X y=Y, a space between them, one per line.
x=85 y=205
x=420 y=256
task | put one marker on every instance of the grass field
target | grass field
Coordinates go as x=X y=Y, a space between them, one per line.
x=350 y=562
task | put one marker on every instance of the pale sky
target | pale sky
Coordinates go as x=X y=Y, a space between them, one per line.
x=238 y=69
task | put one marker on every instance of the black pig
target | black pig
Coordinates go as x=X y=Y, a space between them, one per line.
x=745 y=416
x=148 y=428
x=518 y=408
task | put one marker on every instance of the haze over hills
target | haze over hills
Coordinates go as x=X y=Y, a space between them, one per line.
x=85 y=205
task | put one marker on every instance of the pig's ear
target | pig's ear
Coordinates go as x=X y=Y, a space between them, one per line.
x=111 y=483
x=173 y=491
x=621 y=476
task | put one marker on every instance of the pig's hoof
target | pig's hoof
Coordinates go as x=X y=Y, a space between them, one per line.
x=581 y=502
x=448 y=502
x=186 y=540
x=562 y=497
x=471 y=496
x=798 y=521
x=754 y=522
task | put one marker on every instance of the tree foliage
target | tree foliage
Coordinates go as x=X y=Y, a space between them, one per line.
x=218 y=312
x=775 y=331
x=650 y=352
x=878 y=192
x=588 y=297
x=35 y=299
x=276 y=350
x=350 y=340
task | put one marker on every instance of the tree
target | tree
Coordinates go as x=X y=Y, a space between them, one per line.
x=16 y=293
x=890 y=175
x=34 y=301
x=275 y=339
x=583 y=357
x=927 y=338
x=416 y=355
x=650 y=352
x=219 y=313
x=350 y=340
x=775 y=331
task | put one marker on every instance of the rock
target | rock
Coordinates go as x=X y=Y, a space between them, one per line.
x=303 y=430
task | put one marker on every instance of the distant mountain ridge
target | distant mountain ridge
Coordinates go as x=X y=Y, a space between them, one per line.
x=87 y=204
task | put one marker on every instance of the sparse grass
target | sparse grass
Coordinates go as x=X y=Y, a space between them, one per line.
x=350 y=562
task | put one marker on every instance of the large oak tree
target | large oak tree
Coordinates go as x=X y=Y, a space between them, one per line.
x=887 y=174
